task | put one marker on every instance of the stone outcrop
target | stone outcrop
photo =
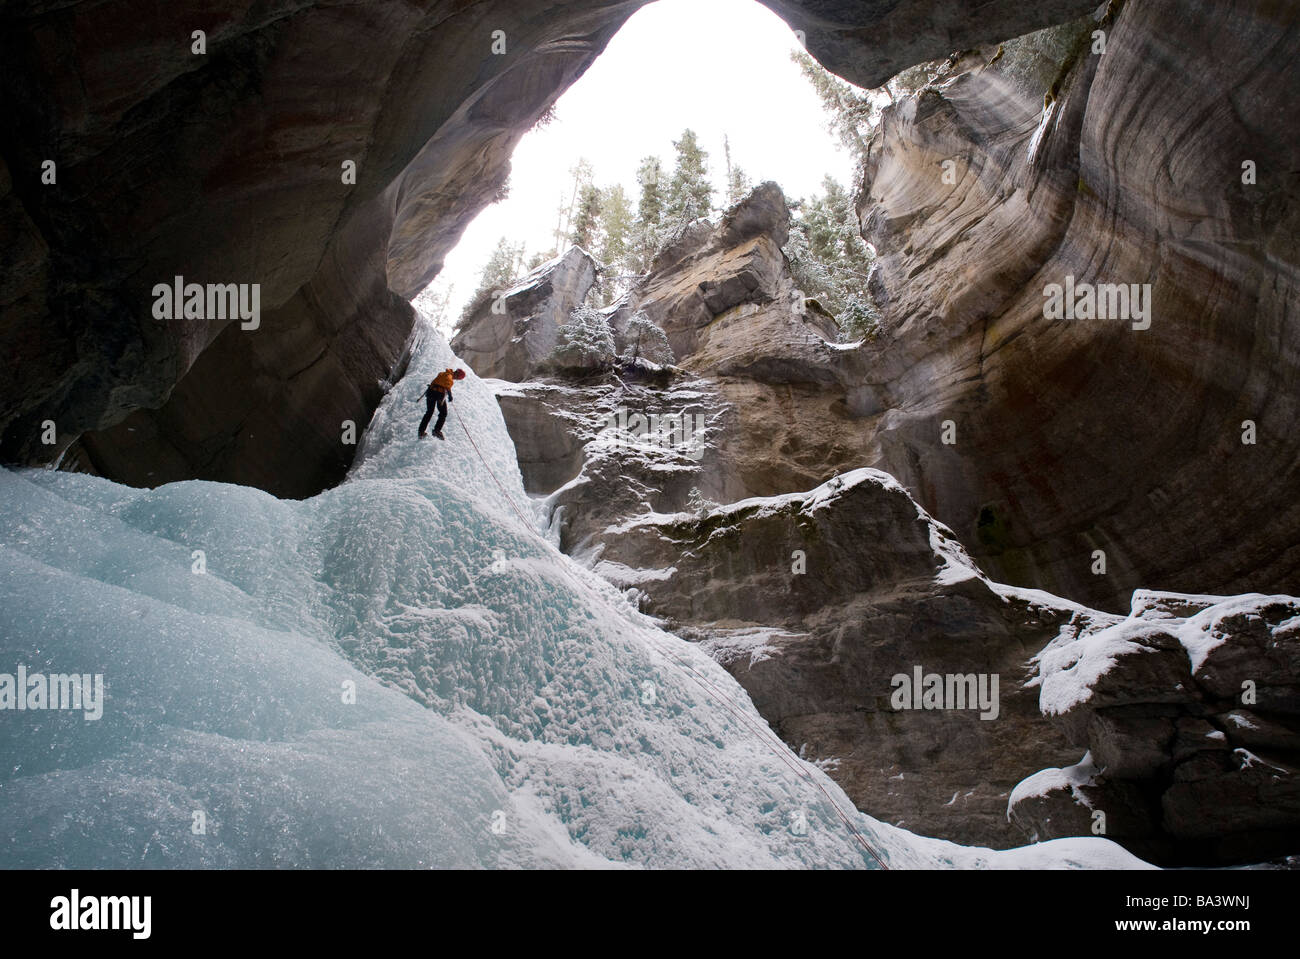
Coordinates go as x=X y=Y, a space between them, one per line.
x=709 y=269
x=815 y=601
x=229 y=166
x=1075 y=435
x=509 y=336
x=1190 y=713
x=769 y=393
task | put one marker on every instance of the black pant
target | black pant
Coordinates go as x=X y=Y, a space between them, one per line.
x=434 y=400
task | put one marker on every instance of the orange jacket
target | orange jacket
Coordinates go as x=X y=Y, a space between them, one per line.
x=444 y=380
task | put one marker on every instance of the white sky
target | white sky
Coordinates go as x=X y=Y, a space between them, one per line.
x=716 y=66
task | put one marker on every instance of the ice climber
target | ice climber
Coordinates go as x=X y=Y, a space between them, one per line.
x=436 y=397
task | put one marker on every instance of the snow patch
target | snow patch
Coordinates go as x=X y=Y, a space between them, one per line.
x=1046 y=781
x=727 y=646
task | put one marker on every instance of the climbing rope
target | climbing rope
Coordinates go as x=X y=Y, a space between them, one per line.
x=483 y=460
x=778 y=748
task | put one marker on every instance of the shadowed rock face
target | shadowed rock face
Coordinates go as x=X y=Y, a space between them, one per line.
x=226 y=168
x=1075 y=435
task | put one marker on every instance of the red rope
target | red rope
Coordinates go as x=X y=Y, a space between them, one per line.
x=778 y=748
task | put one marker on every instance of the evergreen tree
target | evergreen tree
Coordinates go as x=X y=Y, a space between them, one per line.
x=854 y=255
x=586 y=222
x=817 y=219
x=582 y=174
x=860 y=320
x=830 y=224
x=585 y=342
x=851 y=111
x=698 y=503
x=649 y=213
x=503 y=268
x=646 y=341
x=737 y=182
x=538 y=258
x=690 y=194
x=912 y=80
x=810 y=272
x=434 y=301
x=831 y=262
x=616 y=244
x=616 y=214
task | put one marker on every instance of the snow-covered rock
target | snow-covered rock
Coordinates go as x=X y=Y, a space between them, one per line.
x=816 y=600
x=1190 y=710
x=513 y=330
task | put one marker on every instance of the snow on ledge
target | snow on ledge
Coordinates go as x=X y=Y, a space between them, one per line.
x=1044 y=781
x=1081 y=653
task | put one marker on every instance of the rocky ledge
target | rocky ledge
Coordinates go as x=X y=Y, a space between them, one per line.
x=1189 y=710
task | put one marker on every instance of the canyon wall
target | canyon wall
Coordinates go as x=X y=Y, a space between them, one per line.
x=1166 y=161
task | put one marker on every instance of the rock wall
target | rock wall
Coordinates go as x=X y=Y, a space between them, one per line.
x=817 y=600
x=775 y=393
x=784 y=386
x=1077 y=435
